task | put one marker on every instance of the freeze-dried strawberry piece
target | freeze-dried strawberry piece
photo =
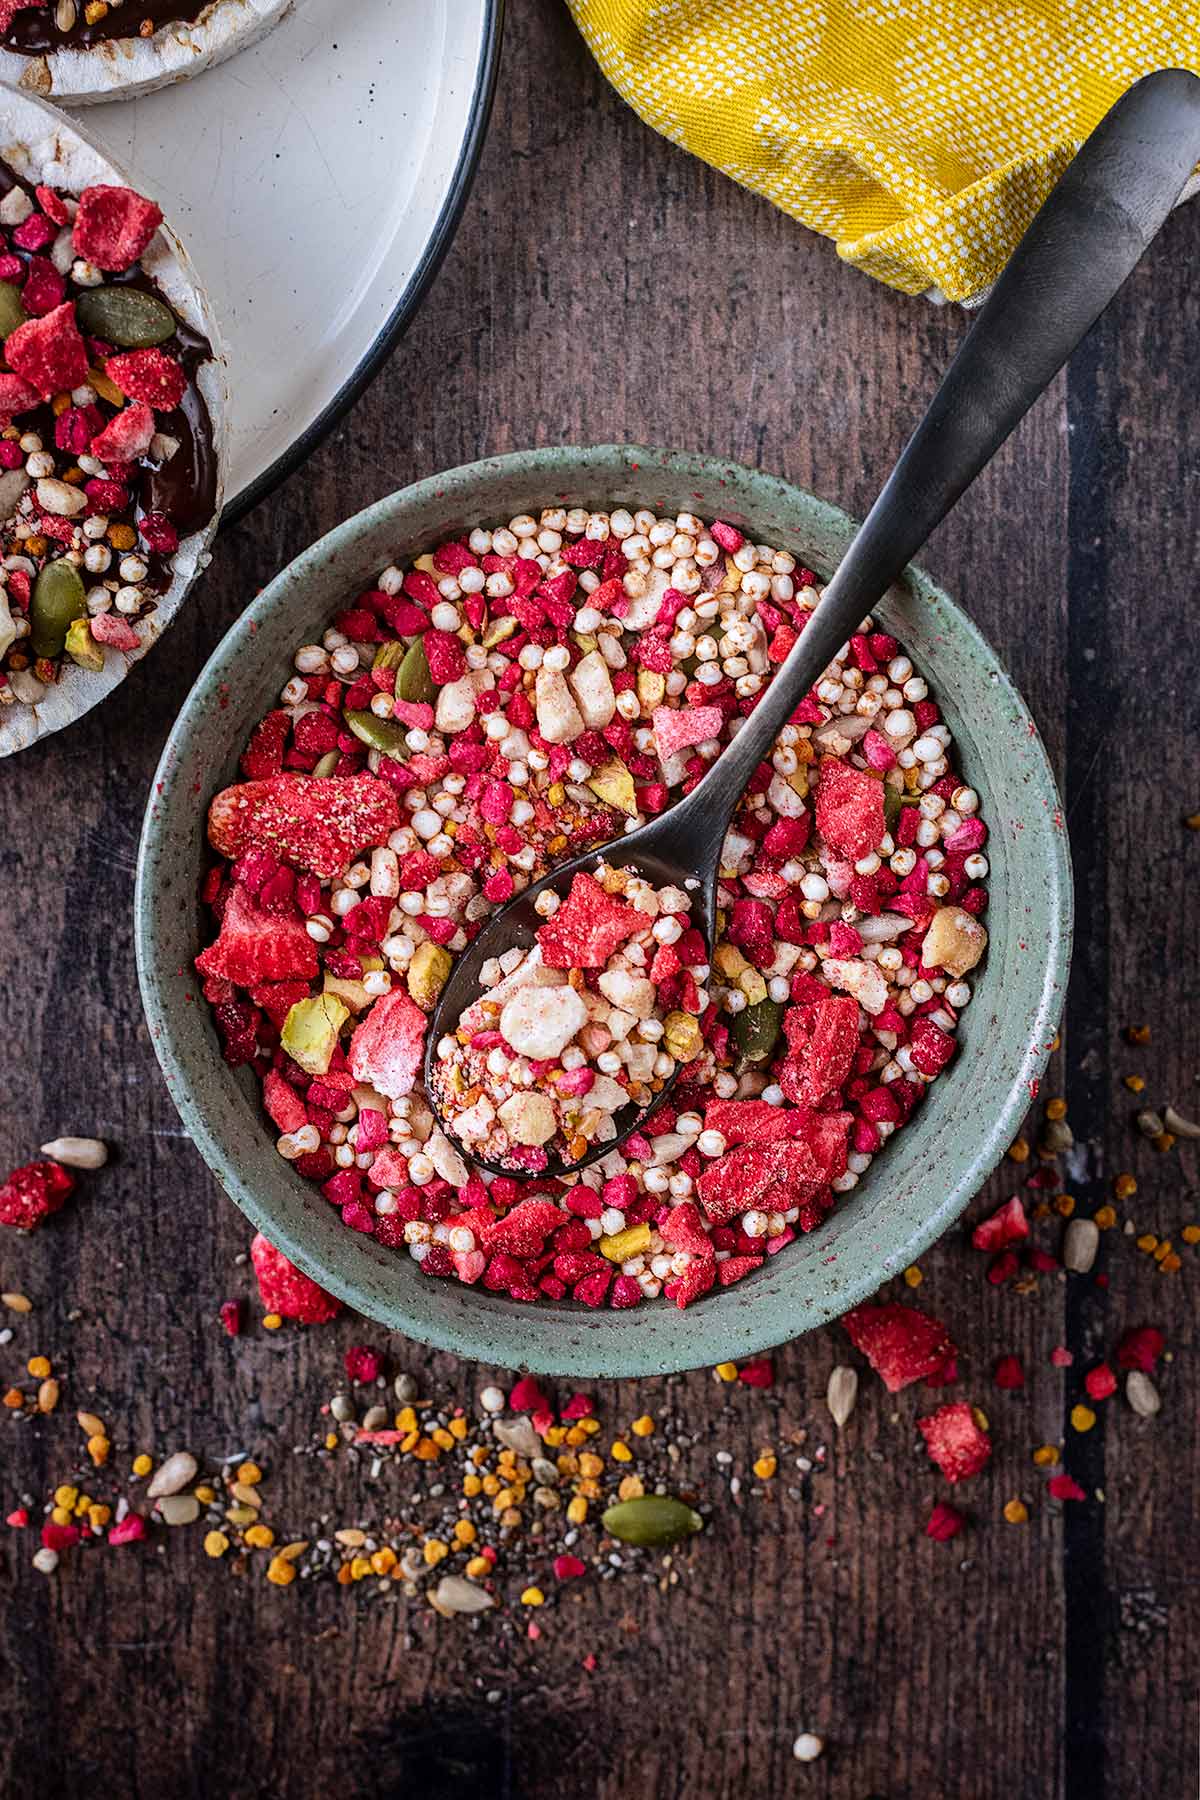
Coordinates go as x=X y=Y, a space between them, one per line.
x=255 y=945
x=683 y=1229
x=901 y=1343
x=319 y=825
x=284 y=1107
x=44 y=288
x=524 y=1230
x=116 y=632
x=1007 y=1225
x=753 y=1121
x=127 y=434
x=945 y=1522
x=1065 y=1487
x=1009 y=1374
x=49 y=352
x=113 y=226
x=1141 y=1348
x=588 y=927
x=16 y=396
x=931 y=1047
x=744 y=1177
x=1100 y=1382
x=822 y=1048
x=827 y=1136
x=52 y=204
x=677 y=728
x=149 y=375
x=849 y=809
x=734 y=1267
x=33 y=1192
x=263 y=755
x=388 y=1044
x=283 y=1289
x=277 y=998
x=752 y=928
x=696 y=1279
x=954 y=1441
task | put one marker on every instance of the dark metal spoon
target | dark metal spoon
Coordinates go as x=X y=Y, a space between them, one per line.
x=1079 y=249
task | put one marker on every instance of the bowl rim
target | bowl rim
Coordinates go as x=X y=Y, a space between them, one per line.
x=551 y=1349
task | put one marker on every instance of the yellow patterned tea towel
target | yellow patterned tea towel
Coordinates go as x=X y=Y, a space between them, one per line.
x=921 y=135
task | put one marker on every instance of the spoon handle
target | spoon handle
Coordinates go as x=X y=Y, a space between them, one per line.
x=1079 y=249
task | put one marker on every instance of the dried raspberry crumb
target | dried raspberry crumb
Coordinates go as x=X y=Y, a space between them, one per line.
x=1100 y=1382
x=1064 y=1487
x=363 y=1363
x=231 y=1317
x=1140 y=1348
x=1009 y=1374
x=758 y=1374
x=945 y=1522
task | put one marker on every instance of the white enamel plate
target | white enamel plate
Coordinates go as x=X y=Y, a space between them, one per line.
x=316 y=180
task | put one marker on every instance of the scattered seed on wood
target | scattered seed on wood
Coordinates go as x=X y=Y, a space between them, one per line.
x=173 y=1473
x=1149 y=1123
x=1181 y=1127
x=179 y=1509
x=90 y=1423
x=454 y=1594
x=77 y=1152
x=1142 y=1394
x=18 y=1303
x=1080 y=1244
x=841 y=1393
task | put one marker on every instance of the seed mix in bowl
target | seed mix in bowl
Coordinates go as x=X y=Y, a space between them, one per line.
x=518 y=694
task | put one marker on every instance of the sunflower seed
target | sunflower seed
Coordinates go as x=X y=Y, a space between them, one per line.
x=1184 y=1128
x=1080 y=1244
x=1149 y=1123
x=519 y=1436
x=1142 y=1394
x=842 y=1393
x=172 y=1474
x=77 y=1152
x=454 y=1594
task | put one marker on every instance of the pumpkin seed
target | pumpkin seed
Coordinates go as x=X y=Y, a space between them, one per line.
x=327 y=764
x=124 y=316
x=379 y=734
x=12 y=311
x=414 y=683
x=756 y=1031
x=179 y=1509
x=651 y=1519
x=455 y=1594
x=58 y=597
x=841 y=1393
x=1080 y=1244
x=389 y=656
x=891 y=807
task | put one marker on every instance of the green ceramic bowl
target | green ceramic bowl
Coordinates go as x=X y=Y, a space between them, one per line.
x=912 y=1192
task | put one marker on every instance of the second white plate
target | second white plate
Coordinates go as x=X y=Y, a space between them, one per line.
x=316 y=180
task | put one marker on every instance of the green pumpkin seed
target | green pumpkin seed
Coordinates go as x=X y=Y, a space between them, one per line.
x=651 y=1519
x=58 y=597
x=414 y=683
x=12 y=311
x=756 y=1031
x=124 y=316
x=327 y=764
x=378 y=734
x=891 y=807
x=389 y=656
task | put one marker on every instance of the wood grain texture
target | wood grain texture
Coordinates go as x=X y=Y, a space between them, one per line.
x=604 y=286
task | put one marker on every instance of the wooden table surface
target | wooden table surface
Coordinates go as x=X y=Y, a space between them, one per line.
x=604 y=286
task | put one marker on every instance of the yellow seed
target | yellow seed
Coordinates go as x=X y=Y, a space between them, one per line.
x=61 y=1515
x=1170 y=1263
x=533 y=1596
x=1056 y=1109
x=1191 y=1234
x=504 y=1499
x=215 y=1543
x=360 y=1567
x=442 y=1438
x=458 y=1429
x=589 y=1427
x=556 y=1435
x=1125 y=1187
x=1082 y=1418
x=1018 y=1150
x=576 y=1435
x=643 y=1427
x=765 y=1466
x=619 y=1451
x=142 y=1464
x=1105 y=1217
x=82 y=1504
x=630 y=1487
x=1016 y=1512
x=90 y=1424
x=249 y=1473
x=272 y=1322
x=1164 y=1141
x=38 y=1367
x=980 y=1418
x=577 y=1509
x=98 y=1448
x=65 y=1496
x=913 y=1276
x=464 y=1531
x=384 y=1561
x=259 y=1537
x=1064 y=1204
x=1164 y=1249
x=98 y=1515
x=18 y=1303
x=1147 y=1242
x=478 y=1565
x=406 y=1419
x=726 y=1371
x=590 y=1464
x=281 y=1573
x=472 y=1486
x=1045 y=1456
x=1134 y=1083
x=47 y=1395
x=410 y=1443
x=434 y=1550
x=491 y=1484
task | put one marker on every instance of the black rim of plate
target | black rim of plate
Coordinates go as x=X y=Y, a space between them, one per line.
x=440 y=239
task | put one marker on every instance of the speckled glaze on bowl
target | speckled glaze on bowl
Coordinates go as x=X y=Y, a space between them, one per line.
x=911 y=1193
